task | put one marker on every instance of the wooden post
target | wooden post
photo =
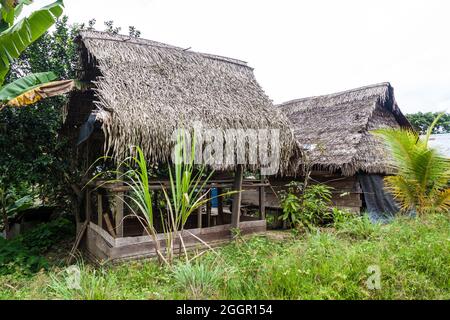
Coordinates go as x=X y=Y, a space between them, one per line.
x=109 y=225
x=88 y=204
x=220 y=217
x=118 y=218
x=99 y=209
x=208 y=211
x=156 y=217
x=237 y=186
x=87 y=164
x=199 y=217
x=119 y=214
x=262 y=200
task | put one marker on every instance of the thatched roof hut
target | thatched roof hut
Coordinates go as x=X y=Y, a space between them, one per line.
x=143 y=90
x=339 y=150
x=335 y=128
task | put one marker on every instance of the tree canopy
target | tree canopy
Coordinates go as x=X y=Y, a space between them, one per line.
x=34 y=154
x=422 y=121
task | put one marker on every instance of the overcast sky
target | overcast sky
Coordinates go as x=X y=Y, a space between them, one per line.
x=304 y=48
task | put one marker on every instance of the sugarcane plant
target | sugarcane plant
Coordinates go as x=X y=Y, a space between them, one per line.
x=421 y=183
x=186 y=194
x=15 y=37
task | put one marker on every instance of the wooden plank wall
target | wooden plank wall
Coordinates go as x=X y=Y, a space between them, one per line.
x=101 y=246
x=346 y=191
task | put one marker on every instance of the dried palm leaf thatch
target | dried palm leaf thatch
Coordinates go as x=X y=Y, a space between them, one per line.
x=338 y=126
x=146 y=90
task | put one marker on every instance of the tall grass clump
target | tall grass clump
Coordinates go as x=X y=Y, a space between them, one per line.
x=82 y=282
x=198 y=280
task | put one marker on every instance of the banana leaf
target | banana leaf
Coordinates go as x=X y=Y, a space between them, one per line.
x=22 y=85
x=33 y=88
x=14 y=40
x=9 y=10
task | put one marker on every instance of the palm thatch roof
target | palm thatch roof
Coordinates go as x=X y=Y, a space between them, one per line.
x=335 y=128
x=145 y=90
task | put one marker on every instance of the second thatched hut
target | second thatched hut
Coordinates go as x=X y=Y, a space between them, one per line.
x=334 y=132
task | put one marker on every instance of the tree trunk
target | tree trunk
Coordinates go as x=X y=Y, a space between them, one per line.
x=5 y=222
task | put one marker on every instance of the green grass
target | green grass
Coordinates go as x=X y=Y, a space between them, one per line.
x=412 y=254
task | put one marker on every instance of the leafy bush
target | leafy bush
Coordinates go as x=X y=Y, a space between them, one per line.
x=316 y=202
x=291 y=204
x=24 y=253
x=42 y=237
x=307 y=207
x=16 y=257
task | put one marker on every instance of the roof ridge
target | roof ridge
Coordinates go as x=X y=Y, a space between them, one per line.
x=335 y=94
x=152 y=43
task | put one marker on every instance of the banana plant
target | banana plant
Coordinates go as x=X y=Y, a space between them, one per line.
x=33 y=88
x=15 y=37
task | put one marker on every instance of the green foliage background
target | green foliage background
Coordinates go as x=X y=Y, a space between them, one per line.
x=422 y=121
x=34 y=154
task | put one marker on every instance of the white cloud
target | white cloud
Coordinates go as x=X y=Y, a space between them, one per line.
x=303 y=48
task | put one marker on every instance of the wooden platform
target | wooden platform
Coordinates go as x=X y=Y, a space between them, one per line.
x=103 y=247
x=346 y=191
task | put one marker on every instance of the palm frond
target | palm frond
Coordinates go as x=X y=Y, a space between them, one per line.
x=423 y=174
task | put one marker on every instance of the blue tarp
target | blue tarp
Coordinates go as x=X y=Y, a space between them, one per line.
x=381 y=206
x=214 y=200
x=86 y=129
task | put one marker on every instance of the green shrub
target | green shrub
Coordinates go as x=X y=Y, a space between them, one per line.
x=15 y=257
x=316 y=202
x=24 y=253
x=307 y=207
x=42 y=237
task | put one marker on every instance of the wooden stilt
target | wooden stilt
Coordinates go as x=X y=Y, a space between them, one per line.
x=119 y=214
x=88 y=204
x=77 y=241
x=220 y=217
x=118 y=218
x=99 y=210
x=208 y=210
x=262 y=200
x=237 y=186
x=156 y=216
x=109 y=225
x=199 y=217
